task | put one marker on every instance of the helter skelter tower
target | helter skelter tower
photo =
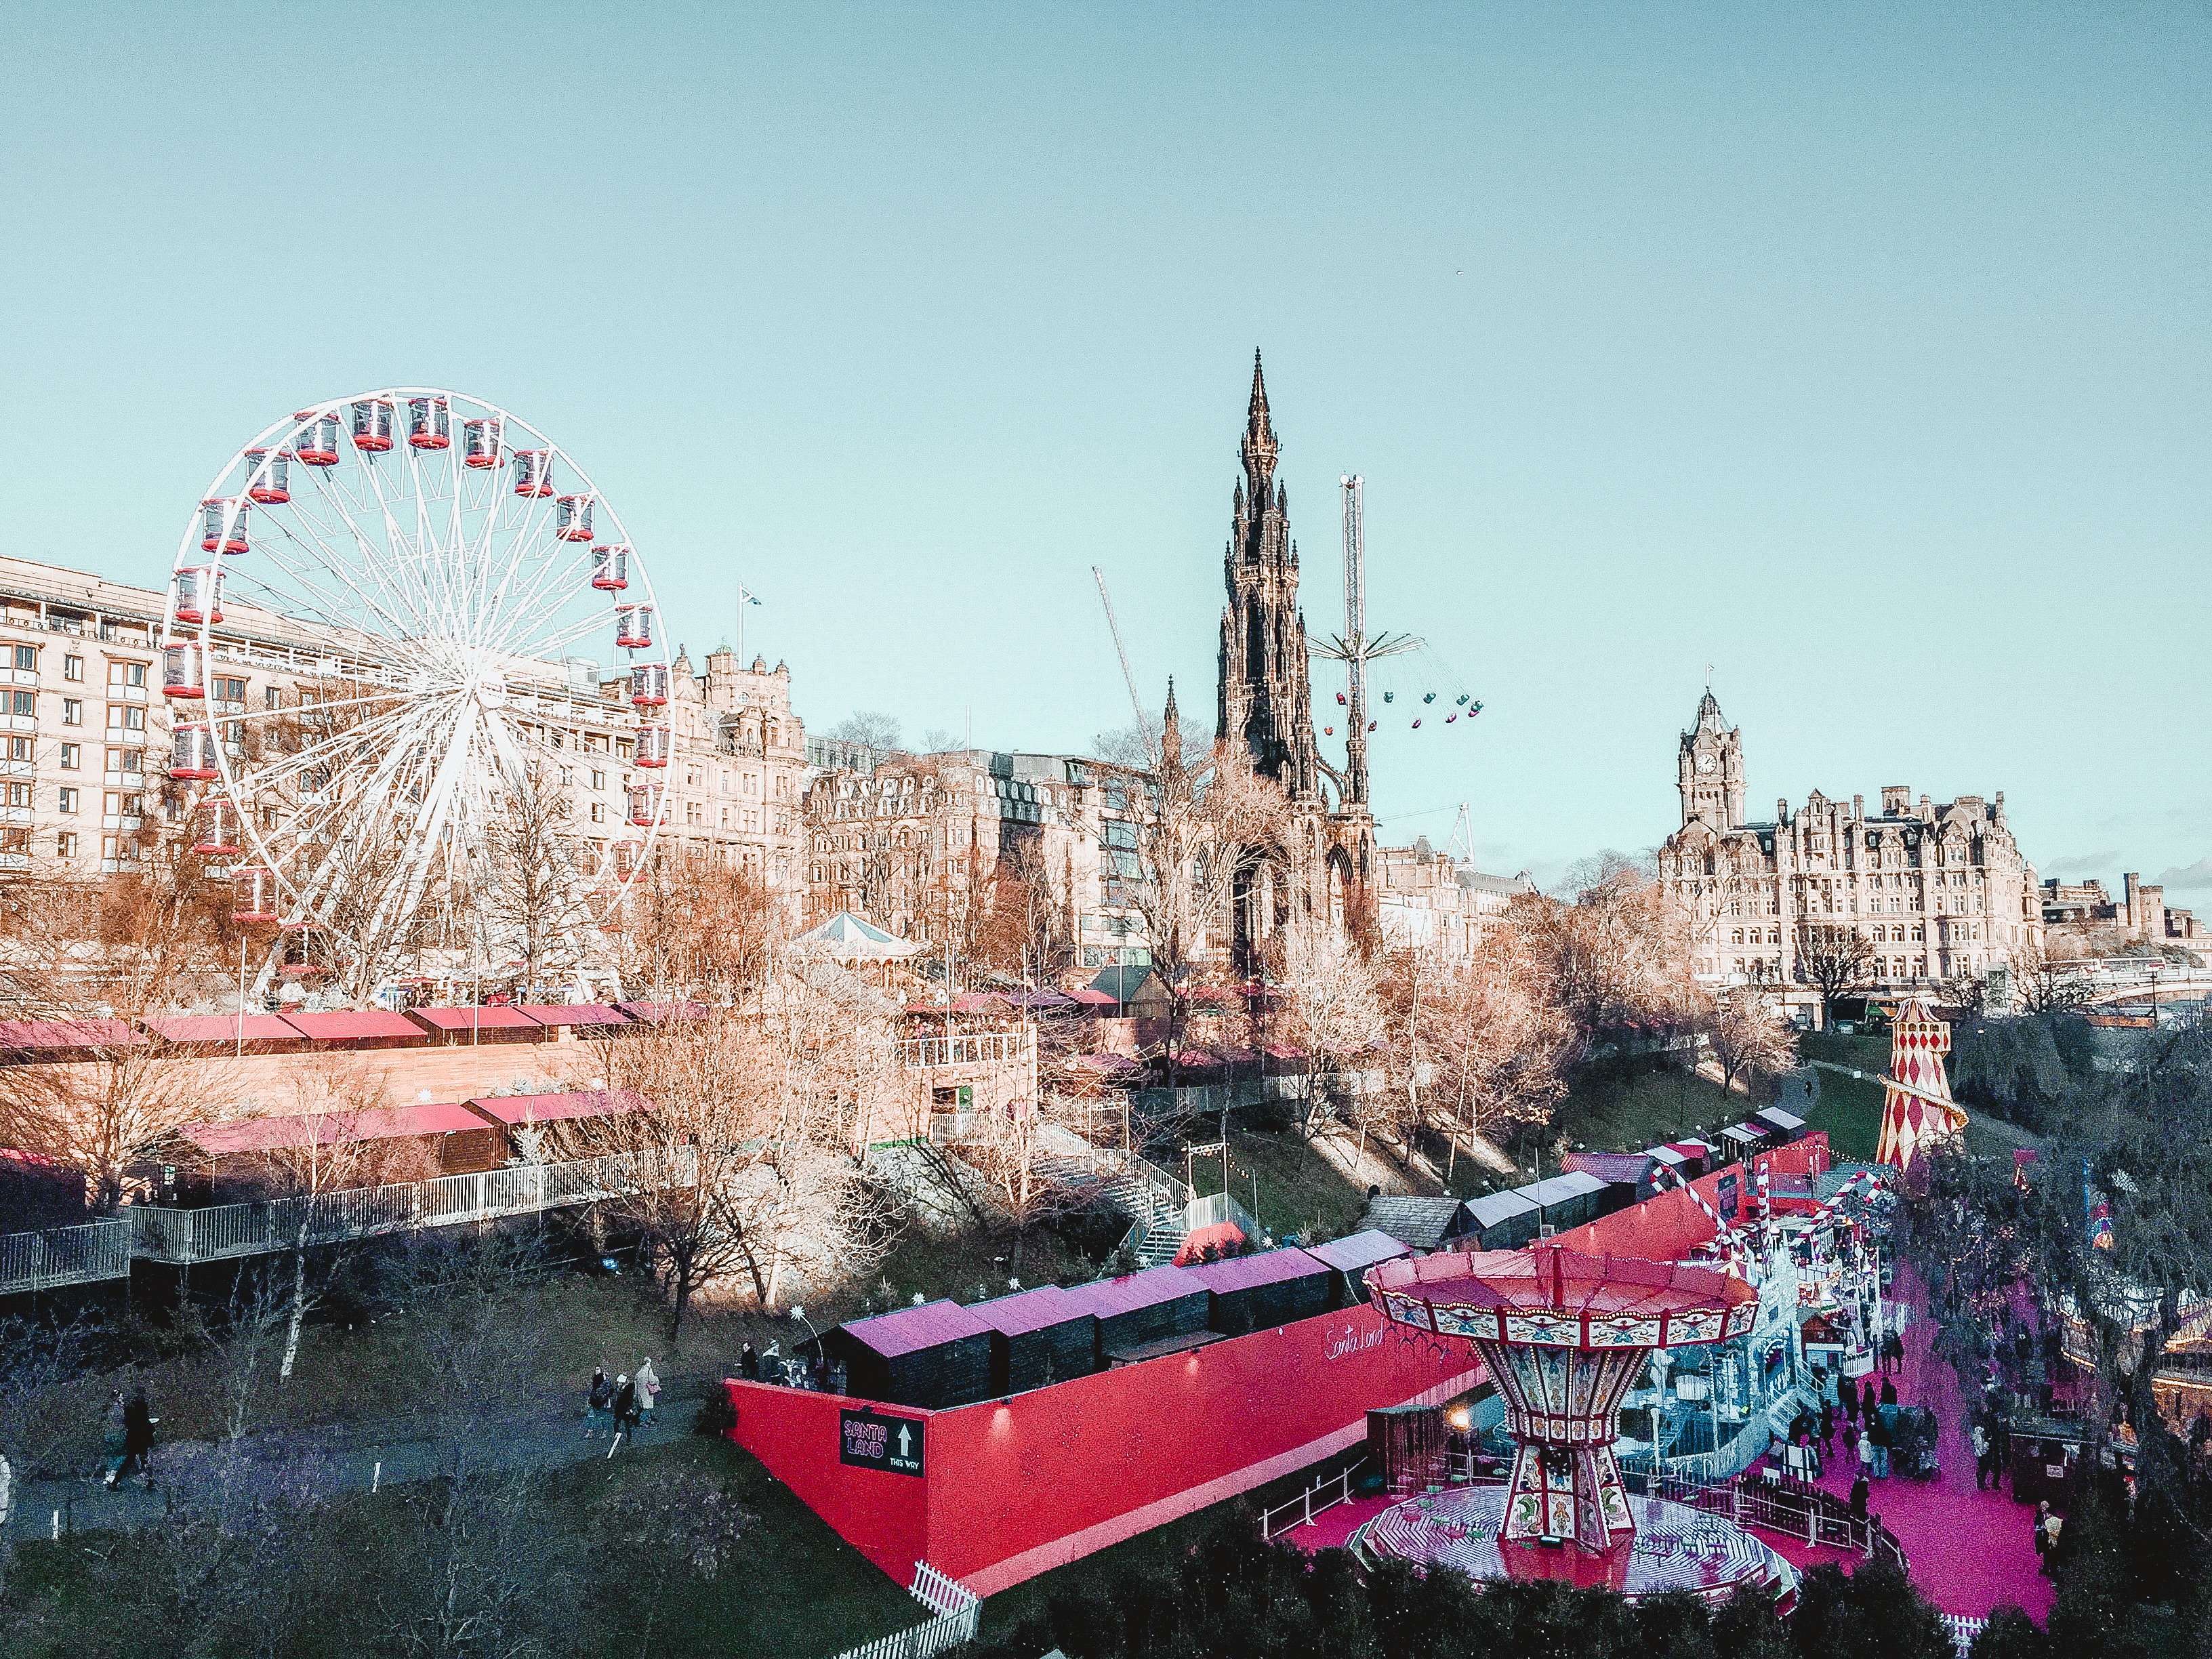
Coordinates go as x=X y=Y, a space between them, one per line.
x=1564 y=1335
x=1918 y=1113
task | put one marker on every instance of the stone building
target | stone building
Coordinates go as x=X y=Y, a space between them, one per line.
x=88 y=731
x=1936 y=890
x=915 y=844
x=737 y=774
x=2140 y=915
x=1429 y=901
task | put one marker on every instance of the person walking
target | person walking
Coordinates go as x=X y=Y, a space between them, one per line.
x=1981 y=1438
x=1866 y=1452
x=114 y=1428
x=1896 y=1346
x=1879 y=1434
x=625 y=1411
x=1888 y=1391
x=1859 y=1495
x=1866 y=1401
x=749 y=1363
x=138 y=1437
x=599 y=1402
x=1849 y=1396
x=1827 y=1430
x=2042 y=1534
x=648 y=1389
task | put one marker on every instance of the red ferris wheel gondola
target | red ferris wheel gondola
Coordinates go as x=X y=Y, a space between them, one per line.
x=480 y=442
x=191 y=755
x=254 y=894
x=644 y=803
x=317 y=442
x=648 y=684
x=611 y=568
x=371 y=425
x=270 y=473
x=634 y=627
x=183 y=672
x=215 y=828
x=222 y=526
x=533 y=472
x=573 y=522
x=199 y=593
x=653 y=745
x=429 y=424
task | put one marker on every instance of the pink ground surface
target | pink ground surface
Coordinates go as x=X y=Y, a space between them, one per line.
x=1970 y=1551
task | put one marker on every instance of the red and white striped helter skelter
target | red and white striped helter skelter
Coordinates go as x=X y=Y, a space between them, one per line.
x=405 y=580
x=1565 y=1336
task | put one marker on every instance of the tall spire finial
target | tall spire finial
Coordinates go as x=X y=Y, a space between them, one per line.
x=1259 y=445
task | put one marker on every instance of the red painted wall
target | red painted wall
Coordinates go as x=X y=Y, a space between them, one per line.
x=1011 y=1490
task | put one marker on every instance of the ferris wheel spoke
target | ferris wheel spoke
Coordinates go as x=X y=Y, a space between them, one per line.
x=563 y=632
x=411 y=569
x=552 y=578
x=380 y=565
x=328 y=608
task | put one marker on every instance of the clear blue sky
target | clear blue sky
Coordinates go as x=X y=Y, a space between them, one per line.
x=1861 y=351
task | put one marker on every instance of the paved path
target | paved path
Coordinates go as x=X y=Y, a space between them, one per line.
x=320 y=1462
x=1970 y=1551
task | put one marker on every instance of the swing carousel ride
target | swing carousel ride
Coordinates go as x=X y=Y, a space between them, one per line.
x=421 y=586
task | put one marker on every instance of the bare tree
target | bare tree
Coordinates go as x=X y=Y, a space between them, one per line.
x=1836 y=959
x=1333 y=998
x=744 y=1155
x=2047 y=978
x=1613 y=958
x=706 y=931
x=871 y=728
x=531 y=902
x=1747 y=1036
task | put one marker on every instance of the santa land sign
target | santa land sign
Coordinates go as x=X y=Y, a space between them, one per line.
x=867 y=1441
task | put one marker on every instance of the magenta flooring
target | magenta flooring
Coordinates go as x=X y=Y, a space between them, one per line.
x=1970 y=1551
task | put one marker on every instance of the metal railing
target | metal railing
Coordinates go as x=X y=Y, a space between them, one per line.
x=60 y=1256
x=225 y=1230
x=1325 y=1494
x=969 y=1048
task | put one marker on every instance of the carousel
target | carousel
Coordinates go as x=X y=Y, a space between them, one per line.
x=1564 y=1335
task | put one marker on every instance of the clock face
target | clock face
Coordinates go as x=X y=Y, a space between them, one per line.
x=1705 y=762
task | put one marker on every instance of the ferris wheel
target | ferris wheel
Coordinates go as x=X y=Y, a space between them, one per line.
x=384 y=654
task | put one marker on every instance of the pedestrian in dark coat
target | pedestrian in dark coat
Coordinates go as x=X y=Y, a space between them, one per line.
x=599 y=1404
x=138 y=1437
x=1828 y=1428
x=113 y=1436
x=1859 y=1496
x=1850 y=1399
x=749 y=1363
x=626 y=1413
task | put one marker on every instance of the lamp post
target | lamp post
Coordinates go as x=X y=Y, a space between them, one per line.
x=800 y=1314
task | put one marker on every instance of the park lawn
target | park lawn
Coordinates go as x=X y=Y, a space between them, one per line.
x=1849 y=1108
x=1606 y=1112
x=1300 y=1192
x=792 y=1585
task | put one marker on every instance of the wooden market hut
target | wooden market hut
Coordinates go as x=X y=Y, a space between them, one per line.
x=1348 y=1259
x=1143 y=1314
x=1249 y=1292
x=1037 y=1337
x=933 y=1355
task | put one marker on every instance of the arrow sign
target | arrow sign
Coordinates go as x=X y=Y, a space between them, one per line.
x=867 y=1439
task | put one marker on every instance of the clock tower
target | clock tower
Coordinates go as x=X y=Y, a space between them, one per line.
x=1711 y=769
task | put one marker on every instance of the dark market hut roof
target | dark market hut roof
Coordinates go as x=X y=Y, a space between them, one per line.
x=1492 y=1208
x=910 y=1330
x=1028 y=1310
x=1108 y=1297
x=1245 y=1273
x=1357 y=1252
x=1615 y=1169
x=1422 y=1223
x=487 y=1018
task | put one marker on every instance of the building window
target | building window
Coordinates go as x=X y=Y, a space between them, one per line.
x=269 y=697
x=27 y=659
x=72 y=669
x=126 y=673
x=68 y=800
x=65 y=843
x=24 y=702
x=72 y=712
x=124 y=717
x=230 y=690
x=599 y=811
x=72 y=756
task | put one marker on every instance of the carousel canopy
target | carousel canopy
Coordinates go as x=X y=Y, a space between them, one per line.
x=848 y=939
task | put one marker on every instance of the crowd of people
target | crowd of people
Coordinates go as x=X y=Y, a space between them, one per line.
x=618 y=1408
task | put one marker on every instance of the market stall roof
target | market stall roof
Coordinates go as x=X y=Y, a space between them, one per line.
x=1108 y=1297
x=572 y=1013
x=907 y=1330
x=849 y=939
x=1244 y=1272
x=1091 y=998
x=1036 y=1001
x=1780 y=1118
x=352 y=1025
x=223 y=1028
x=1671 y=1156
x=488 y=1017
x=1422 y=1223
x=969 y=1002
x=1028 y=1310
x=269 y=1135
x=1224 y=1238
x=1559 y=1189
x=35 y=1034
x=526 y=1109
x=1357 y=1251
x=651 y=1013
x=1493 y=1207
x=1619 y=1169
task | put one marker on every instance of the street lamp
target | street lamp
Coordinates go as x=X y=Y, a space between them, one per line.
x=800 y=1314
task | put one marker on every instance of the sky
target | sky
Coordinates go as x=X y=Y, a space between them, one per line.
x=1863 y=354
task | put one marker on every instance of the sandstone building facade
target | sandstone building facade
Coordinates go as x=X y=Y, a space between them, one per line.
x=1937 y=890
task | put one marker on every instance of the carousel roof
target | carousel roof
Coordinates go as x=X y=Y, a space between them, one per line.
x=1538 y=1285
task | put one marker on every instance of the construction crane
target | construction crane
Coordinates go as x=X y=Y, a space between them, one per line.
x=1136 y=702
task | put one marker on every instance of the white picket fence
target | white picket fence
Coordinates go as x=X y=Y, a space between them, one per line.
x=952 y=1621
x=1963 y=1630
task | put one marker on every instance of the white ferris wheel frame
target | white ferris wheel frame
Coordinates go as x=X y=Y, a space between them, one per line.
x=489 y=615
